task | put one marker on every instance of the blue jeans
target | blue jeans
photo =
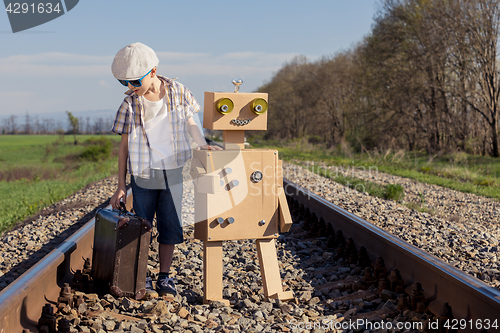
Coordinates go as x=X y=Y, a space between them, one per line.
x=160 y=195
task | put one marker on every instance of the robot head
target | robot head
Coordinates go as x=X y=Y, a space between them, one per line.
x=235 y=111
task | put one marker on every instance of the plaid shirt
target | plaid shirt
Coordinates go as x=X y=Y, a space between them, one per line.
x=181 y=105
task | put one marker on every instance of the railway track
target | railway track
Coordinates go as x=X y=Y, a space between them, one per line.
x=449 y=296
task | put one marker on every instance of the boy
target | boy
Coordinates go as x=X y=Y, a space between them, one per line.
x=153 y=121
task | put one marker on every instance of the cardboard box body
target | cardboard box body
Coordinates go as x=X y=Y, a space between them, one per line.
x=227 y=191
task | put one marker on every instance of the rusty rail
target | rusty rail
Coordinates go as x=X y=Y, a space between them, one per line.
x=469 y=297
x=22 y=301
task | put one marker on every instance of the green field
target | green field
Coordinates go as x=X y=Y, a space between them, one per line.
x=39 y=170
x=479 y=175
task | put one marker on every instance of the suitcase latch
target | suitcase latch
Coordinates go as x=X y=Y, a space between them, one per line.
x=122 y=223
x=146 y=224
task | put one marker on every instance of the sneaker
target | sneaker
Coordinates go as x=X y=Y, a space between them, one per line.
x=150 y=291
x=166 y=286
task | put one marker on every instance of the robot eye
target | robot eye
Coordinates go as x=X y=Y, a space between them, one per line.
x=225 y=105
x=259 y=106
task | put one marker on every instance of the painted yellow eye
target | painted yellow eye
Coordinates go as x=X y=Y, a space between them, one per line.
x=225 y=105
x=259 y=106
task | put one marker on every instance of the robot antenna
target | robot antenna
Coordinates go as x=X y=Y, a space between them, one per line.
x=237 y=83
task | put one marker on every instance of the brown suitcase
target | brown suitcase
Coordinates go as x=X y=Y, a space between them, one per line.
x=120 y=254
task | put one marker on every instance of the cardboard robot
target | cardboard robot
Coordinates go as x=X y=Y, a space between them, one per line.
x=238 y=192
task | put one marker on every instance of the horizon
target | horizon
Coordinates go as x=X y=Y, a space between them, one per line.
x=58 y=66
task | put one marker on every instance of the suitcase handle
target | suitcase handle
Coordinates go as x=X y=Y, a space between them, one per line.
x=123 y=208
x=124 y=222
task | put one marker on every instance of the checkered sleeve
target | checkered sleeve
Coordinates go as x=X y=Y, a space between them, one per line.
x=191 y=105
x=121 y=125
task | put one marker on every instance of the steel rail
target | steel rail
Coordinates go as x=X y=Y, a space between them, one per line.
x=469 y=297
x=21 y=302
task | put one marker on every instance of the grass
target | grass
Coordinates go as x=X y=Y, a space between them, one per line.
x=38 y=171
x=390 y=191
x=479 y=175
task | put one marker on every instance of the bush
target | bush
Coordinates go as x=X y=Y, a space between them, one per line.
x=487 y=182
x=426 y=169
x=315 y=139
x=96 y=153
x=394 y=192
x=100 y=141
x=458 y=158
x=99 y=149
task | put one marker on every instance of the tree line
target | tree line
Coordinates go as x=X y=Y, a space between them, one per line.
x=426 y=77
x=74 y=125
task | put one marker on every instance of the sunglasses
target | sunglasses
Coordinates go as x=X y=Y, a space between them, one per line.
x=134 y=83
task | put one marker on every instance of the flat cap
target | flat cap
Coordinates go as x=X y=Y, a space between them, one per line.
x=133 y=61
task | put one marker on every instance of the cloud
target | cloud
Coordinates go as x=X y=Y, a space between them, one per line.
x=242 y=63
x=103 y=84
x=180 y=56
x=57 y=64
x=20 y=102
x=55 y=81
x=21 y=95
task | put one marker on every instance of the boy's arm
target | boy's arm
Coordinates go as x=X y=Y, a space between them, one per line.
x=195 y=133
x=121 y=191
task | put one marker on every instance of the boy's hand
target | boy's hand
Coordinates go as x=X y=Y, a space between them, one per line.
x=120 y=195
x=208 y=147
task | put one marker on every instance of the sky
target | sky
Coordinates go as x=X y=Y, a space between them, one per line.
x=65 y=64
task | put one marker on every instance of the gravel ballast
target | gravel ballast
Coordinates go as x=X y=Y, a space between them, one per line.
x=327 y=290
x=466 y=233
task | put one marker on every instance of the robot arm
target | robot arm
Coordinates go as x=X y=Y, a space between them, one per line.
x=285 y=217
x=205 y=183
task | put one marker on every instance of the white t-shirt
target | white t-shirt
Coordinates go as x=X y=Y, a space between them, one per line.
x=159 y=132
x=153 y=109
